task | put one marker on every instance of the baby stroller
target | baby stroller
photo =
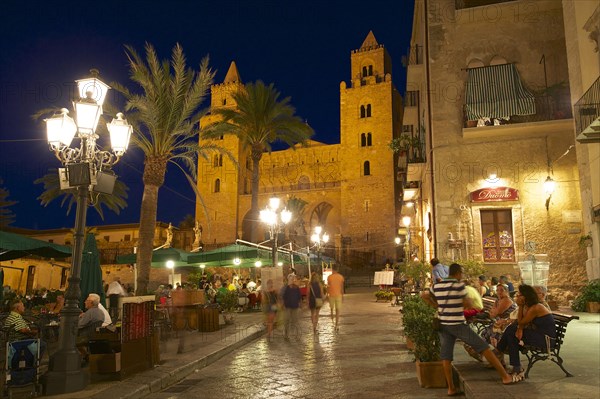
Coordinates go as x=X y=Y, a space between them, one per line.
x=22 y=368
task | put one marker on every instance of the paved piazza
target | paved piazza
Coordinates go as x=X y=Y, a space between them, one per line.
x=365 y=359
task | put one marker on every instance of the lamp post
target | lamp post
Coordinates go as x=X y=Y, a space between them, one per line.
x=275 y=218
x=171 y=265
x=86 y=168
x=319 y=239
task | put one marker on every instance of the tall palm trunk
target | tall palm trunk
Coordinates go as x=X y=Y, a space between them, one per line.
x=256 y=157
x=154 y=176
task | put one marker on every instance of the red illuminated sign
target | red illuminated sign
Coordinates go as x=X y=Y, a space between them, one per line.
x=495 y=194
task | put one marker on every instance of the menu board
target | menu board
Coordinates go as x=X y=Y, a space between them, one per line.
x=137 y=320
x=384 y=278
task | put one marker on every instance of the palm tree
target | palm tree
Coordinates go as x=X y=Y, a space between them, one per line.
x=113 y=202
x=165 y=119
x=259 y=120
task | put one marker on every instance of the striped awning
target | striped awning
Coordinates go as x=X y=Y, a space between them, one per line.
x=497 y=92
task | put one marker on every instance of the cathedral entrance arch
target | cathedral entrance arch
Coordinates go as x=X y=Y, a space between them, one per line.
x=318 y=216
x=249 y=220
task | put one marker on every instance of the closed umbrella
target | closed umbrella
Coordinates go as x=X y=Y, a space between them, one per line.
x=91 y=273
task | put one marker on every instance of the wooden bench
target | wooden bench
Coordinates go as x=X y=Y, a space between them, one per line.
x=483 y=320
x=551 y=353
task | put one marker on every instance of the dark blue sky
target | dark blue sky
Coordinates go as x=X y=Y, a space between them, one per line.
x=303 y=47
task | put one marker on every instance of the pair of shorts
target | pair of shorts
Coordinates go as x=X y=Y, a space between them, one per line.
x=450 y=332
x=335 y=303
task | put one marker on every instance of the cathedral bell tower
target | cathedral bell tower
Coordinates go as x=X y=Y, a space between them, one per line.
x=370 y=116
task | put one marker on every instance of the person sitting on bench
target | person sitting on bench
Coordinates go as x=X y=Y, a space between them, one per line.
x=534 y=323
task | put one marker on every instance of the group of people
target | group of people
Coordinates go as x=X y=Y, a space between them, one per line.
x=289 y=300
x=526 y=321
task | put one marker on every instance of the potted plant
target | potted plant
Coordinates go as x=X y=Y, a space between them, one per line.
x=417 y=317
x=417 y=271
x=383 y=295
x=589 y=298
x=228 y=302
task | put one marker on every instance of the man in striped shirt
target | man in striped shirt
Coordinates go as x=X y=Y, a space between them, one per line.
x=449 y=296
x=18 y=328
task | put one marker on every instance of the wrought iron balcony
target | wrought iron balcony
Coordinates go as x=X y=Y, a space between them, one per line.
x=587 y=115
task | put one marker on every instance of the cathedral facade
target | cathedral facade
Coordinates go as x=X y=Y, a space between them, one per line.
x=349 y=189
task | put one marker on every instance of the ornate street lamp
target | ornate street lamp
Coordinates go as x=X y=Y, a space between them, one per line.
x=86 y=167
x=319 y=239
x=275 y=218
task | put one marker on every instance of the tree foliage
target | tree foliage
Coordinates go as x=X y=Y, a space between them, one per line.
x=114 y=202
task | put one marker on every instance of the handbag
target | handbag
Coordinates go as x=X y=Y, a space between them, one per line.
x=318 y=300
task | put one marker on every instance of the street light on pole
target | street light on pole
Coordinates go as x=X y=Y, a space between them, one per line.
x=275 y=218
x=319 y=239
x=171 y=265
x=86 y=168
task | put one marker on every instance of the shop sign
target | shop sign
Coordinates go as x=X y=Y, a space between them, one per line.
x=495 y=194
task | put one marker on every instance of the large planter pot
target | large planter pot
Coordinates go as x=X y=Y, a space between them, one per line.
x=593 y=307
x=430 y=374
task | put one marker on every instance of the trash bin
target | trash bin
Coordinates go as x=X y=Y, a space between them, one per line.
x=208 y=318
x=534 y=272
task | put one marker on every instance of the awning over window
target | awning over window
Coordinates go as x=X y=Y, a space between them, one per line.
x=497 y=92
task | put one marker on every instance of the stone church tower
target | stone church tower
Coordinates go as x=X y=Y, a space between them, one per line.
x=371 y=116
x=349 y=188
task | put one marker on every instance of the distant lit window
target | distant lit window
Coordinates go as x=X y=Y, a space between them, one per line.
x=218 y=186
x=367 y=168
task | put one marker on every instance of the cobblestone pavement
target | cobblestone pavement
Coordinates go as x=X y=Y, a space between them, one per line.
x=365 y=359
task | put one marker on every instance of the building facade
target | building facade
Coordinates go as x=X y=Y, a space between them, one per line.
x=349 y=188
x=492 y=89
x=582 y=34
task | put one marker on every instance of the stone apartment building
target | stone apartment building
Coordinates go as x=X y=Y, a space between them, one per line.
x=490 y=81
x=349 y=188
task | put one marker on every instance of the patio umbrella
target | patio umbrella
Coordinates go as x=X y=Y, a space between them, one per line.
x=14 y=246
x=225 y=255
x=91 y=273
x=247 y=255
x=160 y=257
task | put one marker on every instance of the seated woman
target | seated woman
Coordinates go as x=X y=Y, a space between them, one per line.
x=500 y=313
x=534 y=323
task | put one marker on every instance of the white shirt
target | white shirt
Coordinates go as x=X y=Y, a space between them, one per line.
x=115 y=288
x=107 y=319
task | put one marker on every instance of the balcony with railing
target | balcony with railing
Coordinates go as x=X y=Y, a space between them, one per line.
x=587 y=115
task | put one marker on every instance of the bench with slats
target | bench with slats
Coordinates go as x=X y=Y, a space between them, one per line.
x=552 y=351
x=482 y=320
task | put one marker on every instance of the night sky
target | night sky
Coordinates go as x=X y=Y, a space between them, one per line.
x=303 y=47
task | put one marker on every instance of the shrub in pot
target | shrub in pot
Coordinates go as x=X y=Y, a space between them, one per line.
x=383 y=295
x=417 y=317
x=589 y=294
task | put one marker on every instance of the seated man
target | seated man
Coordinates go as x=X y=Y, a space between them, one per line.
x=19 y=328
x=93 y=316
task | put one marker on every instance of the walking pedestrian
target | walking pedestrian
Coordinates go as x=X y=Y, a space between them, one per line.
x=449 y=296
x=291 y=301
x=335 y=292
x=270 y=307
x=114 y=292
x=315 y=299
